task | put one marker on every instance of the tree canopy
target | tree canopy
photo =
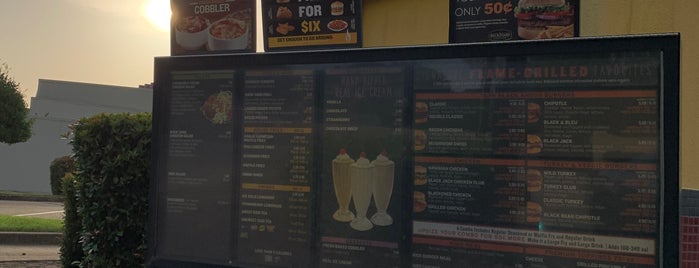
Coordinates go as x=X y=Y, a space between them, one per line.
x=15 y=124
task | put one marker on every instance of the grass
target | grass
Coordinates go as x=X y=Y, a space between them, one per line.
x=29 y=224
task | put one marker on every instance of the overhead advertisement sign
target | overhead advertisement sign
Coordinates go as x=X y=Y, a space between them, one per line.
x=212 y=26
x=502 y=20
x=298 y=25
x=477 y=155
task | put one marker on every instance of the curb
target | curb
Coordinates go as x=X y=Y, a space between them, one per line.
x=30 y=238
x=9 y=197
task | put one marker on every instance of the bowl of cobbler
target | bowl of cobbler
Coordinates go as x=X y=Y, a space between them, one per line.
x=228 y=34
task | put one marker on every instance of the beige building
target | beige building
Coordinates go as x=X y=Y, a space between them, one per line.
x=25 y=166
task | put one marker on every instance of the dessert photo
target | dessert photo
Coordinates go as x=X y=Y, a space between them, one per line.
x=191 y=32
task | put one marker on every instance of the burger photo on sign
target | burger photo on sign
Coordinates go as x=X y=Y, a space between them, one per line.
x=544 y=19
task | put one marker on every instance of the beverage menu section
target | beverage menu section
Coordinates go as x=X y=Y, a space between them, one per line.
x=519 y=161
x=523 y=165
x=276 y=167
x=198 y=177
x=362 y=163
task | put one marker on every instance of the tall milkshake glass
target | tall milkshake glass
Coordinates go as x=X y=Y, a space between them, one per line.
x=361 y=175
x=382 y=188
x=341 y=182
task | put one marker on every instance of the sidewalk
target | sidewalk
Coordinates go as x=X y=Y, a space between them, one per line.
x=29 y=249
x=26 y=249
x=29 y=255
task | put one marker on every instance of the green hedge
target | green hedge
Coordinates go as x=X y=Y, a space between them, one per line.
x=112 y=153
x=58 y=169
x=71 y=250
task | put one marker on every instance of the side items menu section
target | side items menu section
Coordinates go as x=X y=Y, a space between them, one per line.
x=198 y=176
x=276 y=168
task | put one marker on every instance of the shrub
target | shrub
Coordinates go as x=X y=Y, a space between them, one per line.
x=71 y=250
x=112 y=164
x=59 y=168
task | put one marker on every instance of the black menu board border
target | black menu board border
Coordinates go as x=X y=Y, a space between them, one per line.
x=666 y=249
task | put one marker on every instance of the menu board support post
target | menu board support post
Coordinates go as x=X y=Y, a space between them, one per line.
x=671 y=151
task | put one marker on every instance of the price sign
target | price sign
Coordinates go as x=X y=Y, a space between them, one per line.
x=503 y=20
x=294 y=25
x=497 y=8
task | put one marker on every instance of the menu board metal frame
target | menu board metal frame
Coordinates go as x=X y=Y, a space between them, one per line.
x=229 y=76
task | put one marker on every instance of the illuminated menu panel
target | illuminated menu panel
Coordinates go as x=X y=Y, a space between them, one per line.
x=276 y=167
x=513 y=161
x=198 y=176
x=362 y=165
x=536 y=162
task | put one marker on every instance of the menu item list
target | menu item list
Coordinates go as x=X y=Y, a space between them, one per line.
x=363 y=136
x=572 y=164
x=276 y=167
x=200 y=129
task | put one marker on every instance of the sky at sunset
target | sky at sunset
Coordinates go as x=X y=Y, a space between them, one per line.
x=91 y=41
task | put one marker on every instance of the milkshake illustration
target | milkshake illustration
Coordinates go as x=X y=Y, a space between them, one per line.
x=341 y=181
x=361 y=175
x=382 y=188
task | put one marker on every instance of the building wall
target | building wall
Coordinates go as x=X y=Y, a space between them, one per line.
x=415 y=22
x=25 y=166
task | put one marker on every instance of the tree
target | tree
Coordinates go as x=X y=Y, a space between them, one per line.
x=15 y=124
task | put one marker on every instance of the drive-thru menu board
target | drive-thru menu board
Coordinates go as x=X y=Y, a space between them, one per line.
x=544 y=160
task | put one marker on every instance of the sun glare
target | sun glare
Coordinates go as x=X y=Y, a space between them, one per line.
x=158 y=13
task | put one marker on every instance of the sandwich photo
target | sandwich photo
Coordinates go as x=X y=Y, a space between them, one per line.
x=544 y=19
x=534 y=180
x=421 y=110
x=419 y=139
x=419 y=202
x=533 y=112
x=533 y=212
x=534 y=144
x=420 y=175
x=284 y=13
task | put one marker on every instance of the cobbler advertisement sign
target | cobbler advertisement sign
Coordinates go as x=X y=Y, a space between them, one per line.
x=503 y=20
x=212 y=26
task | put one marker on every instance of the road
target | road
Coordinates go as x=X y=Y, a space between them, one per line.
x=48 y=210
x=30 y=255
